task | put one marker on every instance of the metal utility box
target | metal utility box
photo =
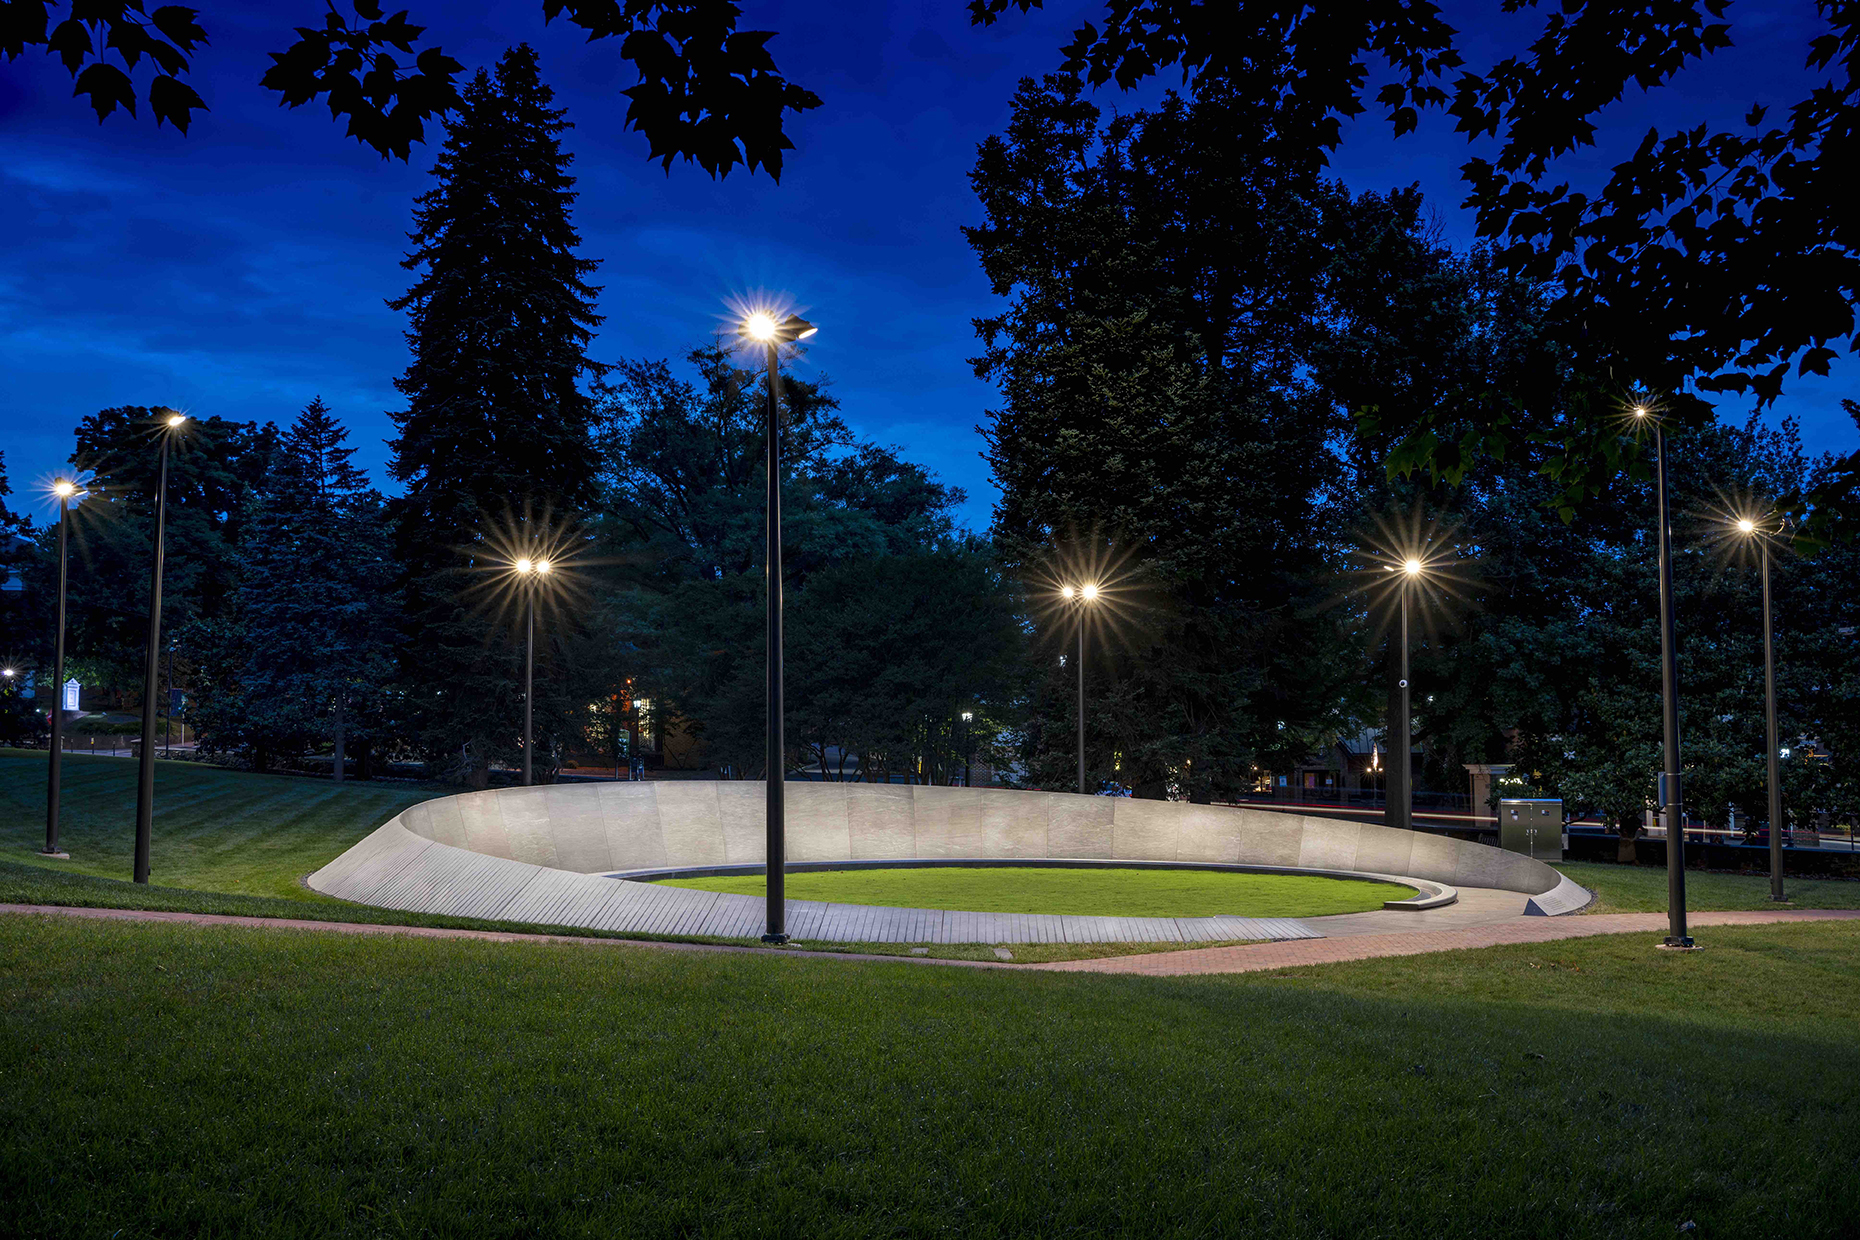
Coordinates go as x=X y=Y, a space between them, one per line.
x=1533 y=827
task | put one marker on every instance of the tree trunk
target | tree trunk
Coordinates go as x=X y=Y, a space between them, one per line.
x=1624 y=847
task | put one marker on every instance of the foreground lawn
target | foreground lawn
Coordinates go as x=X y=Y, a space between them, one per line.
x=1642 y=889
x=214 y=830
x=182 y=1081
x=1083 y=892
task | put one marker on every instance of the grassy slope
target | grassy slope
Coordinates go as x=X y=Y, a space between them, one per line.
x=213 y=830
x=1642 y=889
x=186 y=1081
x=1087 y=893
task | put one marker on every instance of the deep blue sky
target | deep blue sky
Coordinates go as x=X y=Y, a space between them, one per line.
x=242 y=269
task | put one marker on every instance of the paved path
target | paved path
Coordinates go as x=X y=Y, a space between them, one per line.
x=1248 y=959
x=1262 y=956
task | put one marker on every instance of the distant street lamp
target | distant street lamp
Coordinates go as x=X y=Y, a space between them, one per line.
x=764 y=329
x=1669 y=792
x=968 y=717
x=1750 y=529
x=531 y=573
x=64 y=489
x=171 y=424
x=1080 y=597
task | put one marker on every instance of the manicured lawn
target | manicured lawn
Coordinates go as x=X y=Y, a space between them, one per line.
x=167 y=1080
x=1085 y=892
x=1642 y=889
x=214 y=830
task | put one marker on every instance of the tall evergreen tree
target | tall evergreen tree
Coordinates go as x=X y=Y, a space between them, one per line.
x=305 y=651
x=495 y=423
x=1164 y=290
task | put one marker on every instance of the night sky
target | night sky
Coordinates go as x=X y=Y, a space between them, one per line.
x=242 y=269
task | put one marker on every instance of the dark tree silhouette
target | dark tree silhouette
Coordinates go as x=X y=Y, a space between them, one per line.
x=1711 y=261
x=708 y=93
x=494 y=423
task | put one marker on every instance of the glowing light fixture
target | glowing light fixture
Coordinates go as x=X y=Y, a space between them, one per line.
x=176 y=419
x=1746 y=526
x=764 y=328
x=64 y=488
x=1412 y=567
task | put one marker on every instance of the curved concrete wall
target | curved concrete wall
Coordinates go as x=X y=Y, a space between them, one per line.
x=624 y=827
x=539 y=855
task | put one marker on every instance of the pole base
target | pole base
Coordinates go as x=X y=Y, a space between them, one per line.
x=55 y=856
x=1680 y=945
x=774 y=940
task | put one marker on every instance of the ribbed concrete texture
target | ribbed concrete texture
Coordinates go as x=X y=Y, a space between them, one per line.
x=538 y=854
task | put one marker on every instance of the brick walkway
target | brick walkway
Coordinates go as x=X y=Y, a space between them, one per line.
x=1248 y=959
x=1261 y=956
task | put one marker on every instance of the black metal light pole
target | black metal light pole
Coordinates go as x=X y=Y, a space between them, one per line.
x=1752 y=530
x=529 y=682
x=1401 y=762
x=145 y=775
x=1081 y=662
x=1080 y=596
x=530 y=574
x=763 y=329
x=54 y=774
x=1671 y=802
x=968 y=744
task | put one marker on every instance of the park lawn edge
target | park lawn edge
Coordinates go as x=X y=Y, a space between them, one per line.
x=89 y=891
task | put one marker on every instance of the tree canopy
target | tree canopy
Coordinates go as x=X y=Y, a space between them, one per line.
x=707 y=93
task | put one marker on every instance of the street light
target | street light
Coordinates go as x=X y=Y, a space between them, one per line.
x=1081 y=596
x=1399 y=811
x=1750 y=529
x=64 y=489
x=1670 y=802
x=968 y=717
x=171 y=425
x=764 y=329
x=531 y=573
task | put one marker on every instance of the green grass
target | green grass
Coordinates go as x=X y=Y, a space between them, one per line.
x=162 y=1080
x=213 y=830
x=1642 y=889
x=1083 y=892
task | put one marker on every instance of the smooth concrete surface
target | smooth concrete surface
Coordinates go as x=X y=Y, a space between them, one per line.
x=537 y=854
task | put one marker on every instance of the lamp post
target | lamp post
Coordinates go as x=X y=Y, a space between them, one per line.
x=765 y=330
x=531 y=573
x=968 y=717
x=1400 y=809
x=1080 y=596
x=64 y=489
x=1750 y=529
x=172 y=423
x=1670 y=801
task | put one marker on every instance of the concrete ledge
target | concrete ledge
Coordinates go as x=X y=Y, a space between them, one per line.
x=1567 y=897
